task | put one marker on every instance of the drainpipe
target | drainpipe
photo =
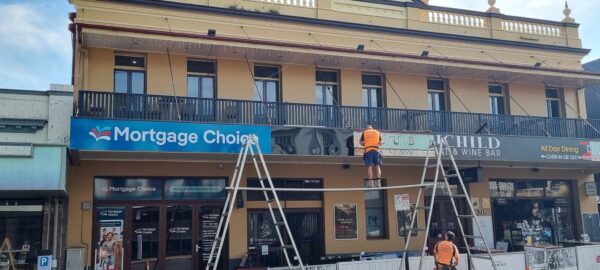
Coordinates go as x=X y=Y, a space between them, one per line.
x=55 y=232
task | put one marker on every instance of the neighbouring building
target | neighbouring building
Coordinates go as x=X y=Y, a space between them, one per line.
x=165 y=91
x=34 y=134
x=592 y=101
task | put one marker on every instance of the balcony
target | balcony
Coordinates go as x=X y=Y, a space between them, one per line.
x=110 y=105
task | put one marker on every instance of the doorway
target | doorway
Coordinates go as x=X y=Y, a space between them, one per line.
x=444 y=219
x=174 y=236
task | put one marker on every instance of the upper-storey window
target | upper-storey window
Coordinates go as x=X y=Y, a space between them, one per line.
x=266 y=83
x=130 y=74
x=498 y=100
x=201 y=79
x=327 y=87
x=554 y=102
x=436 y=91
x=372 y=90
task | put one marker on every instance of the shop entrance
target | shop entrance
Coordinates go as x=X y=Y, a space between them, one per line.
x=444 y=219
x=171 y=236
x=156 y=224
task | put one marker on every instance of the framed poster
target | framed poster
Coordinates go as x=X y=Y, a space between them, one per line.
x=109 y=249
x=345 y=220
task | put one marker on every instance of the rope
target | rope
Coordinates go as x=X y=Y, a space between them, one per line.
x=329 y=189
x=260 y=95
x=171 y=72
x=397 y=95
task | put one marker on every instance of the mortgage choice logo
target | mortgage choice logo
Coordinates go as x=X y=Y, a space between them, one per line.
x=128 y=134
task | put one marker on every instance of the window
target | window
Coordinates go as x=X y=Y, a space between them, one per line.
x=201 y=79
x=436 y=91
x=498 y=104
x=327 y=87
x=266 y=83
x=404 y=220
x=372 y=91
x=375 y=202
x=289 y=183
x=554 y=102
x=130 y=74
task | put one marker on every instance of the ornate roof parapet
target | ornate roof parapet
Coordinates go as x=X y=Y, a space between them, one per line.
x=567 y=12
x=492 y=8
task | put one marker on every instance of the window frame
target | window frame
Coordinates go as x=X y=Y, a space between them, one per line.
x=337 y=93
x=129 y=70
x=444 y=92
x=560 y=99
x=201 y=75
x=263 y=80
x=504 y=95
x=371 y=87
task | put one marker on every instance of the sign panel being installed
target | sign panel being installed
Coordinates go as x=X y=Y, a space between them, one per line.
x=155 y=136
x=487 y=147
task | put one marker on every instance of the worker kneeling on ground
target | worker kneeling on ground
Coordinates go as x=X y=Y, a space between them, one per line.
x=446 y=253
x=371 y=140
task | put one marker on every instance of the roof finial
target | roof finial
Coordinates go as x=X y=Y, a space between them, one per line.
x=567 y=13
x=492 y=8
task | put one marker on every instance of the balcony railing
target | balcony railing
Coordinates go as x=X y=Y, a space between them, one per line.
x=170 y=108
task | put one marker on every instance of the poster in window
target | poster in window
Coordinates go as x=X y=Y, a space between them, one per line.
x=558 y=189
x=108 y=249
x=561 y=259
x=530 y=189
x=501 y=189
x=345 y=217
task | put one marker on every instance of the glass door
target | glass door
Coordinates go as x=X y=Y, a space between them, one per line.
x=207 y=223
x=178 y=237
x=145 y=235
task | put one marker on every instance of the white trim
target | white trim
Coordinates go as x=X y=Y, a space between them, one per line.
x=21 y=208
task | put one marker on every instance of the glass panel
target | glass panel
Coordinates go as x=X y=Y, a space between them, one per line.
x=326 y=76
x=404 y=218
x=178 y=237
x=374 y=205
x=371 y=79
x=121 y=81
x=192 y=86
x=437 y=101
x=271 y=91
x=208 y=221
x=201 y=67
x=320 y=94
x=23 y=228
x=553 y=108
x=529 y=189
x=208 y=87
x=365 y=97
x=495 y=89
x=263 y=237
x=144 y=237
x=375 y=100
x=137 y=82
x=131 y=61
x=331 y=94
x=259 y=90
x=502 y=189
x=435 y=85
x=266 y=72
x=558 y=189
x=552 y=93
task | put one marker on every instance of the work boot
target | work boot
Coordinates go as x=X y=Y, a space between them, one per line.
x=370 y=183
x=377 y=182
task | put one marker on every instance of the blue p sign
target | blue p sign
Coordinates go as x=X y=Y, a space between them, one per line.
x=45 y=262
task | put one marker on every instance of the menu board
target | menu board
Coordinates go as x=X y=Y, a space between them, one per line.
x=345 y=221
x=210 y=222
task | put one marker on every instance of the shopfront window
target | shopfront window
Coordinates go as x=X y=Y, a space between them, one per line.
x=21 y=222
x=375 y=212
x=145 y=234
x=534 y=212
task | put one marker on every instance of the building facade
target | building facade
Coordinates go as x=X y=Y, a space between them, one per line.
x=167 y=90
x=34 y=134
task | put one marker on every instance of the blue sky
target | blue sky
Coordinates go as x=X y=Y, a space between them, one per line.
x=35 y=44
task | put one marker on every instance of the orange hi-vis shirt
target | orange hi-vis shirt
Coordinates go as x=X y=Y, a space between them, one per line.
x=446 y=253
x=371 y=139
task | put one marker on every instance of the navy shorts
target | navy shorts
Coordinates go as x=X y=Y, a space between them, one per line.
x=372 y=158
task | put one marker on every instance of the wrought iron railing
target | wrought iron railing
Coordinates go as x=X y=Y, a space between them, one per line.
x=170 y=108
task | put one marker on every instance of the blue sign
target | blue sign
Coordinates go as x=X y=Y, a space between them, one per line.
x=153 y=136
x=45 y=262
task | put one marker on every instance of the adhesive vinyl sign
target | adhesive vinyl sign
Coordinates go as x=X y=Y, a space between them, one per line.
x=154 y=136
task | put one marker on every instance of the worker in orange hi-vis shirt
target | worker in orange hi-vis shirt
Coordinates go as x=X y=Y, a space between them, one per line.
x=446 y=253
x=371 y=140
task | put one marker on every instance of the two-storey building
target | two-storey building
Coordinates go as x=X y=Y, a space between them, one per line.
x=165 y=91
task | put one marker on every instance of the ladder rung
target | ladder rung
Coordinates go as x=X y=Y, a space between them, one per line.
x=451 y=175
x=211 y=264
x=287 y=246
x=262 y=178
x=485 y=257
x=422 y=229
x=473 y=237
x=465 y=216
x=431 y=165
x=279 y=223
x=458 y=196
x=423 y=208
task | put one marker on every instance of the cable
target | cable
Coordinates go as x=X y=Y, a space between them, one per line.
x=452 y=91
x=334 y=98
x=315 y=39
x=397 y=95
x=376 y=43
x=577 y=113
x=329 y=189
x=495 y=59
x=171 y=71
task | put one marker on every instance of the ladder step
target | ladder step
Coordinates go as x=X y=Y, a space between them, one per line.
x=432 y=166
x=423 y=208
x=451 y=175
x=485 y=257
x=279 y=223
x=465 y=216
x=262 y=178
x=473 y=237
x=211 y=264
x=422 y=229
x=287 y=246
x=458 y=196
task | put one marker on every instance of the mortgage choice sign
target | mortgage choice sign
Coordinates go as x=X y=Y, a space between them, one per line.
x=154 y=136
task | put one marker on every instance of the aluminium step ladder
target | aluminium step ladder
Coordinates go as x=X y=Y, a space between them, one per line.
x=279 y=219
x=440 y=150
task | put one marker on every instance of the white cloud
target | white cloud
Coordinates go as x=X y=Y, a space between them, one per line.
x=585 y=12
x=35 y=44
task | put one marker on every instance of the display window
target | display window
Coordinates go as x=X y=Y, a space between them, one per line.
x=21 y=227
x=541 y=212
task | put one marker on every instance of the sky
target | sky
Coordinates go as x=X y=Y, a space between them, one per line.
x=35 y=44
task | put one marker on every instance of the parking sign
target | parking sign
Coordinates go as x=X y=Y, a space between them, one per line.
x=45 y=262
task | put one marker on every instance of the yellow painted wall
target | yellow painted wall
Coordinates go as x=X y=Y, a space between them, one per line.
x=532 y=99
x=472 y=92
x=412 y=89
x=100 y=71
x=351 y=82
x=234 y=80
x=298 y=84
